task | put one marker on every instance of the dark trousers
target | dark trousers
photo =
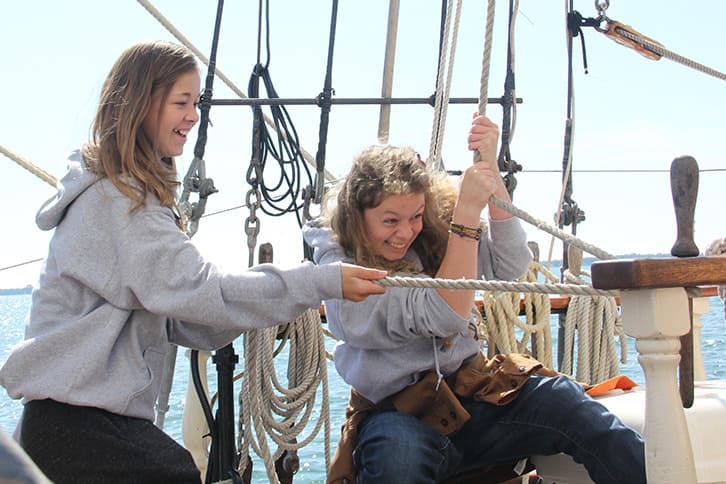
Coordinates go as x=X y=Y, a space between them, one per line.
x=78 y=445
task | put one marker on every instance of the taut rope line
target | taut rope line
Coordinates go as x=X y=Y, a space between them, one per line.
x=552 y=230
x=39 y=172
x=659 y=49
x=504 y=286
x=443 y=87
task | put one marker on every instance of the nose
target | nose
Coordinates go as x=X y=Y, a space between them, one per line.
x=406 y=230
x=193 y=114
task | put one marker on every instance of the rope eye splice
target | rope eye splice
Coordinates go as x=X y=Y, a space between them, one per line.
x=624 y=34
x=629 y=37
x=617 y=31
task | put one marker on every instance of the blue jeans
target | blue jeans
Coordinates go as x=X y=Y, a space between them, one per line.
x=549 y=416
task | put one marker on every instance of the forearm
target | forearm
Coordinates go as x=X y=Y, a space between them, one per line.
x=460 y=261
x=496 y=213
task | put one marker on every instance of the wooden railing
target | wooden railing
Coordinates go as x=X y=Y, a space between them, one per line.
x=656 y=302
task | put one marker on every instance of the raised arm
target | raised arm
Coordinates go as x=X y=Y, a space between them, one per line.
x=478 y=183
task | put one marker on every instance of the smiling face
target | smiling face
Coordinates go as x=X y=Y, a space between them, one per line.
x=170 y=120
x=394 y=224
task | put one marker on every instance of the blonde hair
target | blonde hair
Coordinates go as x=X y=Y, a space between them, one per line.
x=119 y=148
x=379 y=172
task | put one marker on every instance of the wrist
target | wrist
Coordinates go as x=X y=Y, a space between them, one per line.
x=465 y=215
x=464 y=231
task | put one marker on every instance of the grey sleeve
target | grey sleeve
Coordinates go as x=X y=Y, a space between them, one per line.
x=161 y=270
x=503 y=251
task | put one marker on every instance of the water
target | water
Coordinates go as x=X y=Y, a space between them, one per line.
x=13 y=310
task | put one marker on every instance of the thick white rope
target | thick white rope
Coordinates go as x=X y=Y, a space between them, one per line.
x=512 y=25
x=659 y=49
x=551 y=229
x=485 y=64
x=486 y=59
x=264 y=397
x=504 y=286
x=384 y=117
x=443 y=87
x=537 y=310
x=598 y=323
x=501 y=311
x=39 y=172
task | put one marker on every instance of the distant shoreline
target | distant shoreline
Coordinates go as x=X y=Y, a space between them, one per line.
x=16 y=291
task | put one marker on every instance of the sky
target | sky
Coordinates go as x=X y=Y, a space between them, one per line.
x=632 y=115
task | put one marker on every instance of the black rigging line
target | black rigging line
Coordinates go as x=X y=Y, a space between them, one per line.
x=222 y=453
x=504 y=160
x=570 y=213
x=280 y=190
x=324 y=101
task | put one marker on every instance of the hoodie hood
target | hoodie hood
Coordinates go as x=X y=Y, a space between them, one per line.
x=75 y=182
x=321 y=240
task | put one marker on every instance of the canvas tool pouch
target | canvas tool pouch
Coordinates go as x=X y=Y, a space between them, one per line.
x=496 y=380
x=434 y=403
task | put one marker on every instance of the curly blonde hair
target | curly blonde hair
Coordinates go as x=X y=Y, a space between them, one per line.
x=119 y=148
x=379 y=172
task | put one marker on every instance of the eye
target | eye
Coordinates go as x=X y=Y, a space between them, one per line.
x=390 y=221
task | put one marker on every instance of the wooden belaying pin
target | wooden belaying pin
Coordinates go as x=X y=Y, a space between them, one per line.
x=684 y=188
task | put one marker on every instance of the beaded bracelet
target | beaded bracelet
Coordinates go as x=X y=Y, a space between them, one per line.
x=463 y=231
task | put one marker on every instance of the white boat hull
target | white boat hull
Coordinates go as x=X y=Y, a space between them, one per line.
x=706 y=427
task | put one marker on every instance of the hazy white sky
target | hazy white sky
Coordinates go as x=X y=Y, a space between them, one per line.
x=630 y=113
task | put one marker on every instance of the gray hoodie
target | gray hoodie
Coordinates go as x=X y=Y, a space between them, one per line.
x=388 y=341
x=117 y=288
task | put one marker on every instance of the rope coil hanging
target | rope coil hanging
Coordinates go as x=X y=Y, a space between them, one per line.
x=501 y=311
x=263 y=396
x=282 y=192
x=598 y=324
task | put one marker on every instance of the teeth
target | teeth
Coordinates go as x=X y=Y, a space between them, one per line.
x=397 y=246
x=182 y=132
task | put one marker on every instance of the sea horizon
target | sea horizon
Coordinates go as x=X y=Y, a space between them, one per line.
x=14 y=310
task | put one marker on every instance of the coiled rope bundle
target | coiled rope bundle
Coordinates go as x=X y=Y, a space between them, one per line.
x=268 y=408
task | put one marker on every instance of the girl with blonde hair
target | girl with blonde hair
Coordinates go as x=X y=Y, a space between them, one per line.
x=122 y=281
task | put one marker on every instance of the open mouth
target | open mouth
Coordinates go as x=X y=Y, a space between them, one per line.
x=397 y=246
